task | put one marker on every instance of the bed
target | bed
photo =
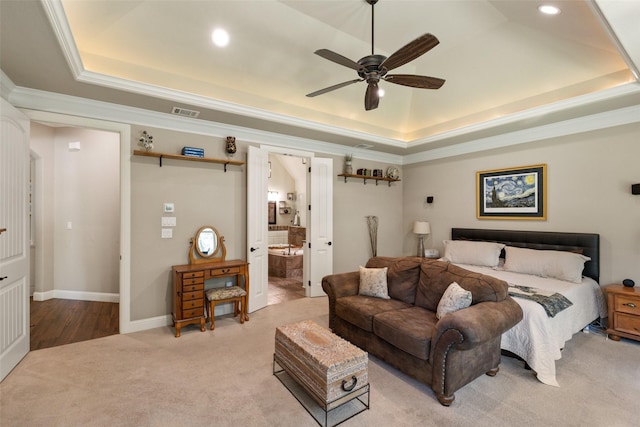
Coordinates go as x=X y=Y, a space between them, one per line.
x=540 y=337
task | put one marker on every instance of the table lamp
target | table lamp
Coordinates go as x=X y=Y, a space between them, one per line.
x=421 y=228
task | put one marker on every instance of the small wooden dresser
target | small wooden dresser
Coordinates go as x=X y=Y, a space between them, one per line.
x=188 y=288
x=624 y=312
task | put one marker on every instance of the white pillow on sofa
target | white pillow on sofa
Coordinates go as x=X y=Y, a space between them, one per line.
x=373 y=282
x=471 y=252
x=561 y=265
x=454 y=298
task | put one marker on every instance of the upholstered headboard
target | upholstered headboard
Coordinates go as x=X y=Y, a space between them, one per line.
x=586 y=243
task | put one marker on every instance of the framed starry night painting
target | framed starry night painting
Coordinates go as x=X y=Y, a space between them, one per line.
x=514 y=193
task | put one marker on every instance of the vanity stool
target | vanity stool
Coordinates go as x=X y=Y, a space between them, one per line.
x=234 y=294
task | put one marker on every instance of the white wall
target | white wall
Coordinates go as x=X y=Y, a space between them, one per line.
x=588 y=186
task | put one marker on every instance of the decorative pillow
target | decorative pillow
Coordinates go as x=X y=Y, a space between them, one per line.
x=453 y=299
x=373 y=282
x=474 y=253
x=561 y=265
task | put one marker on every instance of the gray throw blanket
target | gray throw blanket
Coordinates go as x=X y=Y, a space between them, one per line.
x=552 y=302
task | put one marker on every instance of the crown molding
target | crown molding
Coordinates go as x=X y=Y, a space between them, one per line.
x=608 y=119
x=34 y=99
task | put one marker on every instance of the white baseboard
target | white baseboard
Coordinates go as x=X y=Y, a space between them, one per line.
x=76 y=295
x=149 y=323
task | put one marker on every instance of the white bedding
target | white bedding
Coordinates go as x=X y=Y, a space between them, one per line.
x=539 y=339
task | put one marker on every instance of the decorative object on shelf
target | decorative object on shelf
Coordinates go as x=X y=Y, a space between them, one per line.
x=364 y=172
x=231 y=146
x=377 y=172
x=514 y=193
x=421 y=228
x=348 y=168
x=146 y=141
x=291 y=196
x=192 y=152
x=372 y=223
x=393 y=172
x=628 y=283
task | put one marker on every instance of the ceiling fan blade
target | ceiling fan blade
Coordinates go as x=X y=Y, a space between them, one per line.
x=334 y=87
x=422 y=82
x=411 y=51
x=371 y=97
x=337 y=58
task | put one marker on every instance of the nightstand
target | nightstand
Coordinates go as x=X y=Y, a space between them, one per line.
x=624 y=312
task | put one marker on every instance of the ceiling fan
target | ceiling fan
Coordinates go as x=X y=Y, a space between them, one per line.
x=373 y=68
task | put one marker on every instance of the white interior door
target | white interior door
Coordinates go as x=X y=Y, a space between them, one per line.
x=14 y=238
x=320 y=234
x=257 y=229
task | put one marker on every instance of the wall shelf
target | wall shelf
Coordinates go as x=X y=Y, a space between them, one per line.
x=161 y=156
x=366 y=177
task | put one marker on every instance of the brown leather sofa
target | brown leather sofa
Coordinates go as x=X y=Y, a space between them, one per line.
x=405 y=332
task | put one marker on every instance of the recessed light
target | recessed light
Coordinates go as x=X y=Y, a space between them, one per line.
x=220 y=37
x=548 y=9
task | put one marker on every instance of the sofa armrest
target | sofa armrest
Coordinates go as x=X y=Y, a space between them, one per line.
x=475 y=325
x=338 y=286
x=341 y=284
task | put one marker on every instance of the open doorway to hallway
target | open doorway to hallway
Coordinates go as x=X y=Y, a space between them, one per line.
x=74 y=233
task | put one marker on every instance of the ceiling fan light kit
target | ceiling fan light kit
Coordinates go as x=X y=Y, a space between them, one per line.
x=373 y=68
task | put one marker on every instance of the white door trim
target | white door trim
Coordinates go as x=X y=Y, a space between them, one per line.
x=125 y=324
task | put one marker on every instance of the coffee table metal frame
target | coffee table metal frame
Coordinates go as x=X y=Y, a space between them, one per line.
x=327 y=407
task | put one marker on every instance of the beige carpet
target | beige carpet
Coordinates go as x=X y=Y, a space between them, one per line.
x=224 y=378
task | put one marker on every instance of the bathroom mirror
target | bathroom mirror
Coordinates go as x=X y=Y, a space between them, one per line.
x=207 y=246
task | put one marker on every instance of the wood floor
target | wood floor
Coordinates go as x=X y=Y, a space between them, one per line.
x=59 y=321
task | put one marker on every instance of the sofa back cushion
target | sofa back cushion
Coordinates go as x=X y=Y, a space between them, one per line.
x=436 y=276
x=403 y=274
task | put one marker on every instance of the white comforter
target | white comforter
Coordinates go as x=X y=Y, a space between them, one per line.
x=539 y=339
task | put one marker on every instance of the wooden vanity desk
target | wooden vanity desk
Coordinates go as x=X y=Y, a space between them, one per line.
x=207 y=260
x=188 y=289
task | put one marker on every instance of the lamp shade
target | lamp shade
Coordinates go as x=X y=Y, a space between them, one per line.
x=421 y=227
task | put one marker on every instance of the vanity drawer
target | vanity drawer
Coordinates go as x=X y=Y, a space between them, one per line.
x=225 y=271
x=194 y=312
x=191 y=274
x=192 y=281
x=193 y=287
x=193 y=295
x=194 y=303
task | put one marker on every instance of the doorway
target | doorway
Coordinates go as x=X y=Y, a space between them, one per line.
x=75 y=234
x=287 y=189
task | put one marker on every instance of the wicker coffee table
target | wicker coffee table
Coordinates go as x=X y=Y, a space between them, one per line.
x=327 y=374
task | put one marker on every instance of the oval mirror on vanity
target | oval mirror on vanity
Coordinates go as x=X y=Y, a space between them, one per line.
x=207 y=246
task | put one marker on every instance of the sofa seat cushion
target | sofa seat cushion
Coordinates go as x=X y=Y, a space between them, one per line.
x=409 y=329
x=360 y=310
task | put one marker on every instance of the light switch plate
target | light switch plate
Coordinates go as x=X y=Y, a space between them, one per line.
x=169 y=207
x=167 y=233
x=168 y=221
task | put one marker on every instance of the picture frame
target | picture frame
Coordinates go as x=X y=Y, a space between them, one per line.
x=512 y=193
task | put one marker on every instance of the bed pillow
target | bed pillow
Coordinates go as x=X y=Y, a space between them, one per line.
x=453 y=299
x=485 y=254
x=561 y=265
x=373 y=282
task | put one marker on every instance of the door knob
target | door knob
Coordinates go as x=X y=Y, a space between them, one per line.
x=254 y=249
x=4 y=277
x=329 y=243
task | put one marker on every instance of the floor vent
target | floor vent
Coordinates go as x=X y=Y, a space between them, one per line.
x=185 y=112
